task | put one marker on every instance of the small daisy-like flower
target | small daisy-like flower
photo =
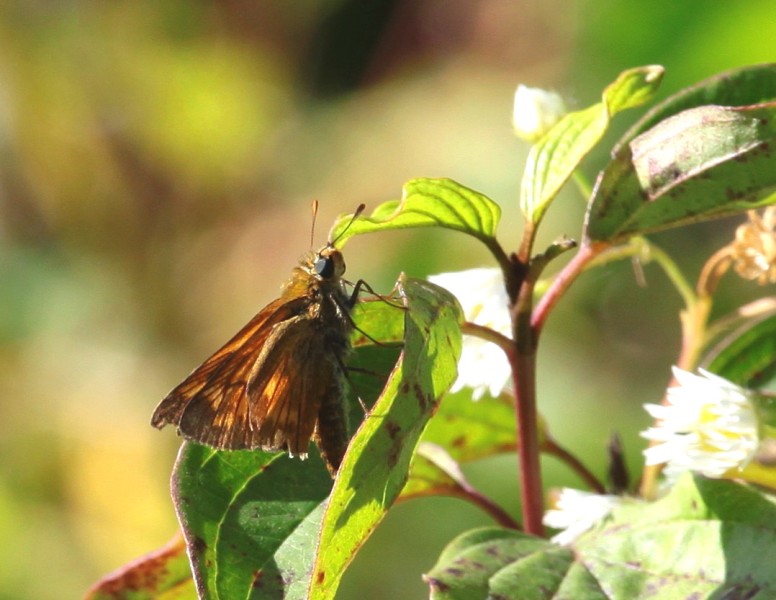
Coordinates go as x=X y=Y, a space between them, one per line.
x=754 y=249
x=708 y=426
x=535 y=112
x=575 y=512
x=483 y=366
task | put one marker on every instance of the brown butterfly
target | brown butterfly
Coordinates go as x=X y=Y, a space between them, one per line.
x=279 y=381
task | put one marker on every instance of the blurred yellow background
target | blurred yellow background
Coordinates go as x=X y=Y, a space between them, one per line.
x=157 y=164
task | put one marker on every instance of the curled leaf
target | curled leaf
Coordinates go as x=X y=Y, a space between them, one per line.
x=703 y=163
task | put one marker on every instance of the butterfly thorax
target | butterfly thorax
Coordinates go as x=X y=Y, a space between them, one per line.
x=316 y=285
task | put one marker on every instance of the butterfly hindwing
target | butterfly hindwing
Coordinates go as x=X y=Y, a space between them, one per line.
x=290 y=405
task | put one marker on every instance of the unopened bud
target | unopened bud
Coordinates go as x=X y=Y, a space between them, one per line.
x=536 y=111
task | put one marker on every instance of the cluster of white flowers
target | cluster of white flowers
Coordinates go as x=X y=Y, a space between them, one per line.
x=707 y=425
x=483 y=365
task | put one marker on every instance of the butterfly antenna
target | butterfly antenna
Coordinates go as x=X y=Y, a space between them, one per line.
x=314 y=208
x=356 y=215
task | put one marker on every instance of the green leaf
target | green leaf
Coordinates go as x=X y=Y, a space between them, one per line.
x=555 y=156
x=377 y=319
x=250 y=520
x=428 y=203
x=433 y=472
x=470 y=430
x=160 y=575
x=747 y=357
x=744 y=86
x=706 y=539
x=703 y=163
x=377 y=461
x=494 y=562
x=464 y=430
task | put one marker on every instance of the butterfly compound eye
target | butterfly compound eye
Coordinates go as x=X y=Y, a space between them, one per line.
x=324 y=266
x=329 y=264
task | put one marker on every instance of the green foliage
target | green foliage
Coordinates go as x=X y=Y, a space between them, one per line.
x=263 y=525
x=428 y=203
x=746 y=86
x=161 y=575
x=705 y=152
x=473 y=430
x=695 y=543
x=747 y=356
x=703 y=163
x=698 y=541
x=249 y=519
x=554 y=158
x=377 y=463
x=498 y=563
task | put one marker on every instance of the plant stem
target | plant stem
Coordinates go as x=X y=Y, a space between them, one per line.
x=641 y=248
x=526 y=326
x=563 y=280
x=523 y=361
x=488 y=334
x=524 y=370
x=498 y=514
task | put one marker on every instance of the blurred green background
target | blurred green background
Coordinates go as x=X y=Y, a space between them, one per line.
x=157 y=164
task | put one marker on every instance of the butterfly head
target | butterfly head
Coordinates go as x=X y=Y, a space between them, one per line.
x=329 y=264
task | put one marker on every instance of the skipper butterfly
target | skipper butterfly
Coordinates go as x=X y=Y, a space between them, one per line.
x=278 y=383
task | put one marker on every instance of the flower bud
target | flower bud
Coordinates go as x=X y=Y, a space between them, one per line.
x=535 y=112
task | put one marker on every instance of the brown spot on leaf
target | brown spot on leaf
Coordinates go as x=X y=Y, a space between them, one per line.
x=458 y=442
x=320 y=576
x=425 y=399
x=257 y=575
x=393 y=429
x=435 y=584
x=394 y=433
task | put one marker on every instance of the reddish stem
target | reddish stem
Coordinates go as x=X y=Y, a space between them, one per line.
x=524 y=377
x=498 y=514
x=527 y=325
x=563 y=280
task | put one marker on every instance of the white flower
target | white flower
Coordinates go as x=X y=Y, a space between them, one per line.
x=708 y=426
x=575 y=512
x=483 y=365
x=535 y=112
